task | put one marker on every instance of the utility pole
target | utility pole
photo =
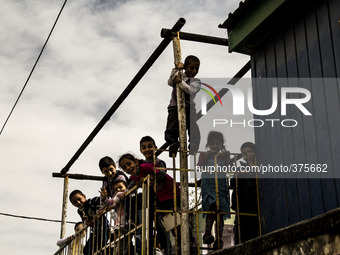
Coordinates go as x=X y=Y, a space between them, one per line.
x=185 y=239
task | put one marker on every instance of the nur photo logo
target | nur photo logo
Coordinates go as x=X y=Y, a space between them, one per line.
x=204 y=99
x=243 y=108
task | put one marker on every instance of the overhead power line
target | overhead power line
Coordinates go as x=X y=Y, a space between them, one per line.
x=35 y=64
x=33 y=218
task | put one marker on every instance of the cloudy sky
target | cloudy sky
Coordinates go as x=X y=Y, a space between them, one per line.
x=94 y=52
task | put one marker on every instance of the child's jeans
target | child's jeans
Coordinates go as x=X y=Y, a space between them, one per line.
x=172 y=127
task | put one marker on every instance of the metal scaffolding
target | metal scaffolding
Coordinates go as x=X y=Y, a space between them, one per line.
x=128 y=238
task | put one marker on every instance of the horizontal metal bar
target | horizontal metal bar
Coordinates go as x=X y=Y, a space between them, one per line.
x=195 y=37
x=79 y=176
x=93 y=178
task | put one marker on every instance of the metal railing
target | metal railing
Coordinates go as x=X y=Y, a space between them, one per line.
x=139 y=230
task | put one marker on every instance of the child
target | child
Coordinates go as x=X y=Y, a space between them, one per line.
x=247 y=197
x=87 y=209
x=75 y=241
x=108 y=167
x=190 y=85
x=116 y=202
x=147 y=147
x=121 y=211
x=216 y=148
x=139 y=170
x=164 y=186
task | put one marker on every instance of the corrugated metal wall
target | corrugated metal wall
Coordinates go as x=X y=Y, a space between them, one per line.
x=307 y=47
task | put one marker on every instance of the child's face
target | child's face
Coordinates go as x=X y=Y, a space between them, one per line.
x=192 y=69
x=147 y=148
x=78 y=228
x=119 y=187
x=248 y=154
x=78 y=200
x=216 y=144
x=109 y=171
x=129 y=166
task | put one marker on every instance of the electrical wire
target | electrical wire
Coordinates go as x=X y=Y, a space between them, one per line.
x=35 y=64
x=33 y=218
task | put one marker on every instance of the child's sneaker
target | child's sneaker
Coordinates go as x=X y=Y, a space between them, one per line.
x=159 y=251
x=208 y=238
x=215 y=245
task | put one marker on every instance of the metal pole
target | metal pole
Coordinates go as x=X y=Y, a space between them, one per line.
x=185 y=240
x=79 y=177
x=175 y=203
x=144 y=220
x=195 y=37
x=196 y=207
x=64 y=208
x=218 y=215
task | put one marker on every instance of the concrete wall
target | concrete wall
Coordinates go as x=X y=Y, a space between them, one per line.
x=319 y=236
